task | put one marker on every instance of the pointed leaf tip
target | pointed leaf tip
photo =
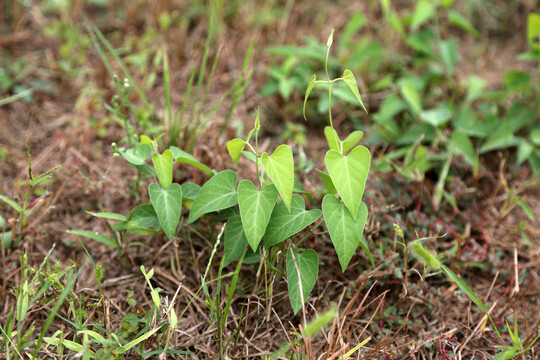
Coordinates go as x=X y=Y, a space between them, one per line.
x=308 y=91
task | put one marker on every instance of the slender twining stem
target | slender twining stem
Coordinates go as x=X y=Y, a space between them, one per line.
x=329 y=88
x=328 y=46
x=257 y=128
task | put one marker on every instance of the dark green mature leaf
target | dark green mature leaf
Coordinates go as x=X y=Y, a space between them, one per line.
x=302 y=273
x=218 y=193
x=167 y=205
x=255 y=210
x=345 y=232
x=146 y=216
x=190 y=190
x=284 y=224
x=235 y=240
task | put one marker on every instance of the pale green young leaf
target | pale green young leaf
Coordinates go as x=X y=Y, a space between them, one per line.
x=143 y=139
x=235 y=148
x=409 y=92
x=533 y=31
x=309 y=88
x=163 y=164
x=167 y=205
x=332 y=138
x=302 y=273
x=330 y=39
x=284 y=223
x=255 y=210
x=464 y=287
x=186 y=158
x=350 y=80
x=345 y=232
x=352 y=140
x=437 y=116
x=218 y=193
x=424 y=11
x=235 y=240
x=524 y=151
x=349 y=174
x=280 y=168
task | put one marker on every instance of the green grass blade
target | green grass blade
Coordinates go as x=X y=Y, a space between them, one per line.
x=71 y=279
x=464 y=287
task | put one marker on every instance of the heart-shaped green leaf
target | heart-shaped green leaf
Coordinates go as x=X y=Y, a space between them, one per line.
x=186 y=158
x=309 y=88
x=302 y=273
x=235 y=148
x=145 y=216
x=284 y=224
x=255 y=209
x=345 y=232
x=352 y=140
x=168 y=205
x=332 y=138
x=163 y=164
x=280 y=169
x=138 y=154
x=218 y=193
x=350 y=80
x=349 y=175
x=235 y=240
